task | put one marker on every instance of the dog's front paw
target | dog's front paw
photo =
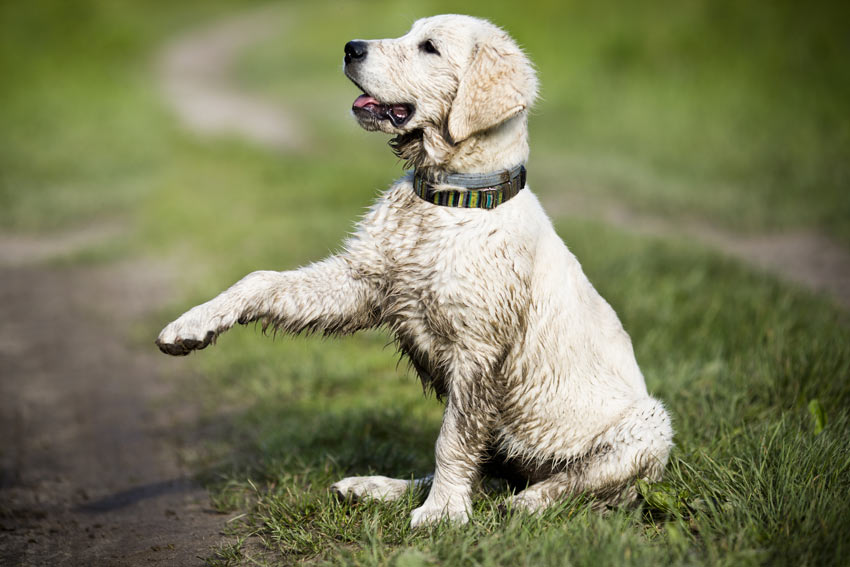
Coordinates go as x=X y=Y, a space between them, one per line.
x=427 y=514
x=193 y=330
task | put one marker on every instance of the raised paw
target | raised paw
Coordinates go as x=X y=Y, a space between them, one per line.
x=181 y=347
x=192 y=331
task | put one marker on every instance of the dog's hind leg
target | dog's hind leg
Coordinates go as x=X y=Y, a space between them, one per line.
x=377 y=487
x=636 y=447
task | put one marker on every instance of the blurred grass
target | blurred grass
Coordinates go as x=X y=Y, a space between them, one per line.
x=82 y=130
x=733 y=112
x=724 y=110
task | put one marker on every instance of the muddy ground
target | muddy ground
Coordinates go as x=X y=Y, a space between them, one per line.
x=89 y=436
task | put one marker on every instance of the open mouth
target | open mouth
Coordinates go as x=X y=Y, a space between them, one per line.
x=398 y=114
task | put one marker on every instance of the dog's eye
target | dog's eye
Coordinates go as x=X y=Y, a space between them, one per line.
x=428 y=47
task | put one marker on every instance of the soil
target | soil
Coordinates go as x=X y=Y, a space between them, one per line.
x=90 y=472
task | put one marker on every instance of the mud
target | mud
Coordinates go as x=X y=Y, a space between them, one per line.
x=90 y=437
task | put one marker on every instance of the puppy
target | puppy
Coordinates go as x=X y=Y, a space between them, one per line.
x=458 y=260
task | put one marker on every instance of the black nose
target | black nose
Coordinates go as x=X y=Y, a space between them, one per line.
x=355 y=51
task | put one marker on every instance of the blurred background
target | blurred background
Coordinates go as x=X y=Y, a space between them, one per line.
x=695 y=155
x=731 y=112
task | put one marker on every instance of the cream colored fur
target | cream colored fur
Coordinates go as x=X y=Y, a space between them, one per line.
x=491 y=307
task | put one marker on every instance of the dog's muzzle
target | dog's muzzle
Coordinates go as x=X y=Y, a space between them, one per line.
x=366 y=107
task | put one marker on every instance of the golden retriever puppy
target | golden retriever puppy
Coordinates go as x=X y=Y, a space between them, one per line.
x=459 y=261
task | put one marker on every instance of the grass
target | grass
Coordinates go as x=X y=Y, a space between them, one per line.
x=737 y=358
x=722 y=111
x=83 y=133
x=707 y=108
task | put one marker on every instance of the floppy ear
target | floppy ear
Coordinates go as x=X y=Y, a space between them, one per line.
x=498 y=85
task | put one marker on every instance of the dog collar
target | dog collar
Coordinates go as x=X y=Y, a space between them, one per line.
x=483 y=190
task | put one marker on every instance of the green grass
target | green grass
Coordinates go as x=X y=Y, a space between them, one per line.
x=736 y=357
x=716 y=110
x=732 y=112
x=82 y=130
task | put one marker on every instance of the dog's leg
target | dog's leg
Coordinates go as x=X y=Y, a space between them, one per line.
x=637 y=447
x=329 y=296
x=456 y=470
x=471 y=412
x=377 y=487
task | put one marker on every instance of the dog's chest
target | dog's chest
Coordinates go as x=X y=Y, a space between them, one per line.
x=457 y=279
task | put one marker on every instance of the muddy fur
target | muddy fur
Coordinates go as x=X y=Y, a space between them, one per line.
x=494 y=312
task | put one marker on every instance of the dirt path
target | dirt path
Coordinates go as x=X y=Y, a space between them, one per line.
x=803 y=257
x=89 y=466
x=89 y=470
x=194 y=74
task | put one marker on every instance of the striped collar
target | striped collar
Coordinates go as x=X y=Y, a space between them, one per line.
x=481 y=190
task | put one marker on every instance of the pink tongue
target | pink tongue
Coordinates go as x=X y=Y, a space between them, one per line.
x=365 y=100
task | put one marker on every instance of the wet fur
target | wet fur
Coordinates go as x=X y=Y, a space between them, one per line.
x=491 y=308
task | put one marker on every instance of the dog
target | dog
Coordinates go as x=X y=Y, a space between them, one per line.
x=460 y=263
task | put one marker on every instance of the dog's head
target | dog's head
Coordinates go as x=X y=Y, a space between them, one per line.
x=450 y=77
